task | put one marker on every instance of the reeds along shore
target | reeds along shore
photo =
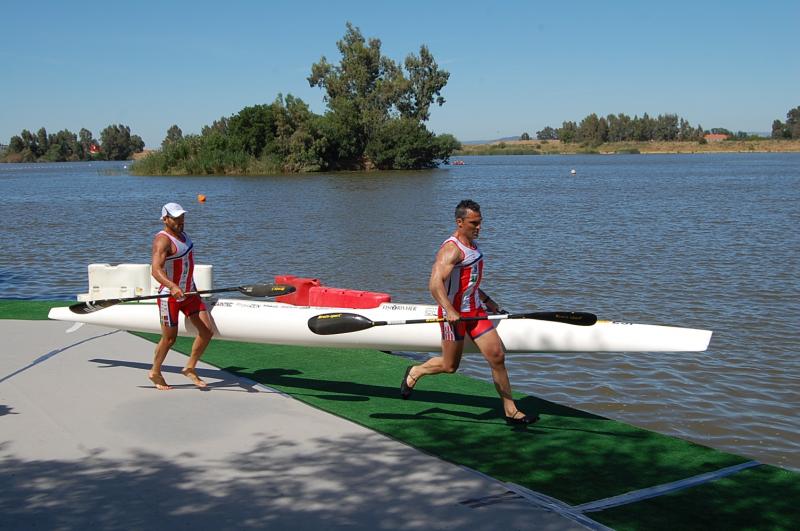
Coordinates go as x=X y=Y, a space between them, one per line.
x=555 y=147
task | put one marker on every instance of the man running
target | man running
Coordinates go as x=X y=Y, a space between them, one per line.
x=173 y=266
x=454 y=284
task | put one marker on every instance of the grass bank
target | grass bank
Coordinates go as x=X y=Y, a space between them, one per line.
x=206 y=163
x=555 y=147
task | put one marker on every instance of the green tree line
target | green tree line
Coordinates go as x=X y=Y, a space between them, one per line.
x=376 y=109
x=620 y=127
x=596 y=130
x=115 y=143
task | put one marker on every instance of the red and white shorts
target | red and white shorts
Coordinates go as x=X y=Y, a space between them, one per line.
x=473 y=329
x=169 y=307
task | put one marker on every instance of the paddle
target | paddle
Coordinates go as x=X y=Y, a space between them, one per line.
x=253 y=290
x=342 y=323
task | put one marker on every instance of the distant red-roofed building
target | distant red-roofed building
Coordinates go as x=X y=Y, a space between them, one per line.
x=714 y=137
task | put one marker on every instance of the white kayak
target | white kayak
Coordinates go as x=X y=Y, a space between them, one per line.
x=287 y=324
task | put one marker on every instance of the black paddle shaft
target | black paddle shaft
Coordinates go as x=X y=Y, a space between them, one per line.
x=253 y=290
x=343 y=323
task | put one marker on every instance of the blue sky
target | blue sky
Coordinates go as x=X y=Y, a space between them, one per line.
x=514 y=66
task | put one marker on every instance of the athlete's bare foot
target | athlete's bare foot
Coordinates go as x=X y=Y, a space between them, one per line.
x=159 y=381
x=518 y=418
x=192 y=375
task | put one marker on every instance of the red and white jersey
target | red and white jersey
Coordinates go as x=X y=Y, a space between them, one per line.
x=462 y=284
x=180 y=265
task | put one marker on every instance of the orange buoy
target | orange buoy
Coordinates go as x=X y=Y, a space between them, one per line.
x=201 y=198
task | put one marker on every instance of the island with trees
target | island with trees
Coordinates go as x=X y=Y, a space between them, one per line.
x=375 y=119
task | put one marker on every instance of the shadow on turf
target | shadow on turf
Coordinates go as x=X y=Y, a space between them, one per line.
x=494 y=415
x=354 y=391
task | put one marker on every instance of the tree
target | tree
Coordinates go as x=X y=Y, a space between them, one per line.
x=219 y=126
x=298 y=137
x=366 y=90
x=30 y=147
x=567 y=133
x=405 y=143
x=137 y=144
x=666 y=127
x=779 y=130
x=16 y=145
x=445 y=145
x=793 y=122
x=114 y=141
x=174 y=134
x=524 y=136
x=685 y=131
x=86 y=142
x=425 y=83
x=62 y=146
x=548 y=133
x=619 y=127
x=643 y=128
x=42 y=143
x=118 y=144
x=592 y=129
x=345 y=148
x=361 y=88
x=252 y=129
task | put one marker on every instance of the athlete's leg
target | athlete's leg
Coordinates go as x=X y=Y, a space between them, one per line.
x=448 y=362
x=168 y=335
x=202 y=322
x=492 y=349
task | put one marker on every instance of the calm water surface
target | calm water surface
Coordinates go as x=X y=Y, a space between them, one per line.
x=703 y=241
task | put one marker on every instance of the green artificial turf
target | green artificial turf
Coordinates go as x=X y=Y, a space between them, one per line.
x=28 y=310
x=570 y=455
x=758 y=498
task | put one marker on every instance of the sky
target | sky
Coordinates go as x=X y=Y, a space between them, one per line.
x=515 y=66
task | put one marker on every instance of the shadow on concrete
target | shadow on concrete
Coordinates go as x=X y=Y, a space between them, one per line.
x=275 y=484
x=52 y=353
x=222 y=380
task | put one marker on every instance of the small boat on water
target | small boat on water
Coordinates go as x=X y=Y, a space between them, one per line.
x=286 y=321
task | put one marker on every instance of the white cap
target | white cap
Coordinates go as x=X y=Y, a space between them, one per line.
x=172 y=210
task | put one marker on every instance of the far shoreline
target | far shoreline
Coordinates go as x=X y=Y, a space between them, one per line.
x=555 y=147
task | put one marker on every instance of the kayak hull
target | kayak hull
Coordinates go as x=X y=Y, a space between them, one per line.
x=286 y=324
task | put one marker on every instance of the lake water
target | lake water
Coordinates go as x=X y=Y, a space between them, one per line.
x=702 y=241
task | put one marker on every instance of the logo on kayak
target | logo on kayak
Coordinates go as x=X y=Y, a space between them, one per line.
x=400 y=307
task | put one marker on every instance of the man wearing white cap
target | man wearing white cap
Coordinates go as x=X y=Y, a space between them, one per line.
x=173 y=266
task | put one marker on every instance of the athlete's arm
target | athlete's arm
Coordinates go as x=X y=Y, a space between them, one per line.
x=446 y=259
x=490 y=304
x=161 y=250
